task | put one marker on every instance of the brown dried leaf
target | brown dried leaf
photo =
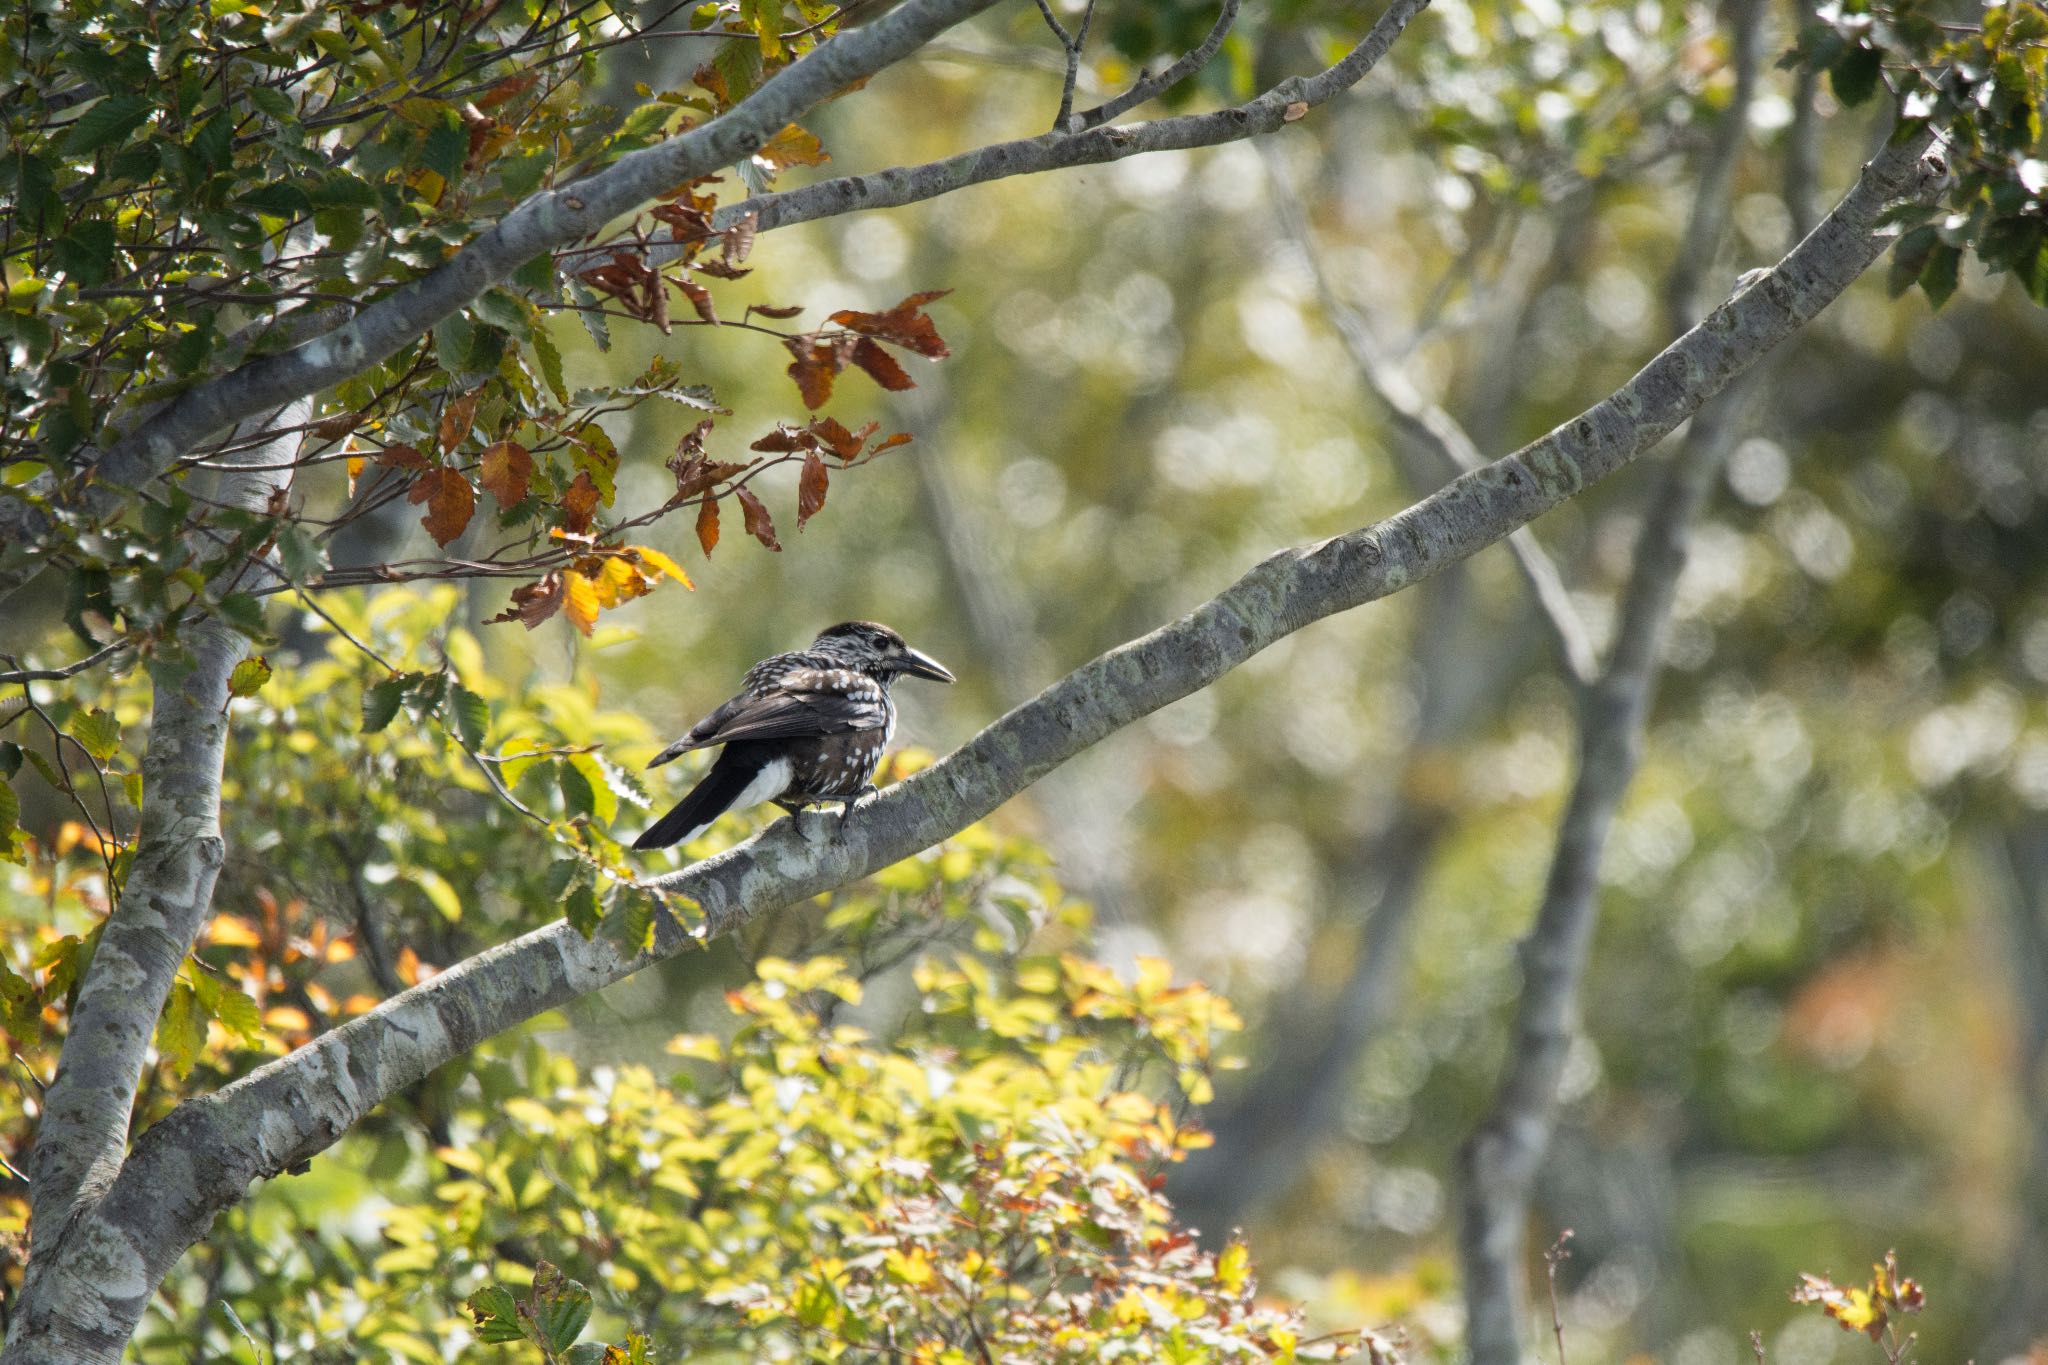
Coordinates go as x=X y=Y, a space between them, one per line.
x=759 y=526
x=901 y=438
x=881 y=366
x=902 y=325
x=700 y=299
x=450 y=502
x=505 y=470
x=810 y=489
x=401 y=456
x=779 y=314
x=340 y=424
x=739 y=239
x=833 y=433
x=698 y=475
x=579 y=600
x=707 y=524
x=456 y=418
x=533 y=603
x=506 y=89
x=784 y=439
x=813 y=370
x=579 y=504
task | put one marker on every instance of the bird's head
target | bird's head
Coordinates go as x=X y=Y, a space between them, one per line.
x=874 y=648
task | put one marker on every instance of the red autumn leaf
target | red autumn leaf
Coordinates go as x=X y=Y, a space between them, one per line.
x=783 y=439
x=700 y=299
x=813 y=370
x=758 y=524
x=533 y=603
x=881 y=366
x=401 y=456
x=778 y=314
x=707 y=525
x=579 y=504
x=449 y=499
x=833 y=432
x=810 y=489
x=455 y=419
x=505 y=469
x=904 y=325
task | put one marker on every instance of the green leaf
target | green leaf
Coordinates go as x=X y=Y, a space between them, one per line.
x=447 y=147
x=577 y=797
x=1854 y=78
x=472 y=716
x=21 y=1007
x=97 y=731
x=435 y=888
x=496 y=1313
x=279 y=201
x=10 y=758
x=110 y=120
x=245 y=613
x=380 y=704
x=235 y=1010
x=10 y=814
x=303 y=556
x=582 y=909
x=249 y=676
x=604 y=802
x=86 y=251
x=561 y=1308
x=550 y=359
x=1939 y=278
x=181 y=1031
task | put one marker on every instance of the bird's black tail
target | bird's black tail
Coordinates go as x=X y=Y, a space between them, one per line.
x=708 y=800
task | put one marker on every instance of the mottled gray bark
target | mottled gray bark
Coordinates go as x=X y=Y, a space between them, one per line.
x=2021 y=868
x=79 y=1299
x=1500 y=1161
x=203 y=1157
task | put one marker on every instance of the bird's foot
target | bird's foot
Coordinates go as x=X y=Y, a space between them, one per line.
x=852 y=804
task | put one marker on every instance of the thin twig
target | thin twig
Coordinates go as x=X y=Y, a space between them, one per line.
x=1150 y=86
x=29 y=675
x=1560 y=1252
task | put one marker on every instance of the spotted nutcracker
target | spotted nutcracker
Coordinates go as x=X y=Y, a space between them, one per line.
x=808 y=726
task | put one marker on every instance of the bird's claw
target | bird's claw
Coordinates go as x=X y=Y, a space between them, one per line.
x=850 y=805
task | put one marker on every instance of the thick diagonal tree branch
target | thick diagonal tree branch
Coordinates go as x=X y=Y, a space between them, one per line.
x=204 y=1156
x=545 y=221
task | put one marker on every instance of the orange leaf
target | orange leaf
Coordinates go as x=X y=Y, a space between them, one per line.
x=579 y=504
x=901 y=438
x=707 y=524
x=810 y=489
x=355 y=471
x=700 y=299
x=882 y=367
x=579 y=601
x=450 y=502
x=759 y=526
x=456 y=417
x=506 y=89
x=505 y=469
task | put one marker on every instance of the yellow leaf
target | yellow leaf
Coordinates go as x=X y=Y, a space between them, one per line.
x=662 y=564
x=579 y=600
x=1234 y=1267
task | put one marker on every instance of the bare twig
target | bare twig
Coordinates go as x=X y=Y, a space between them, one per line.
x=1429 y=427
x=29 y=675
x=1559 y=1253
x=1149 y=86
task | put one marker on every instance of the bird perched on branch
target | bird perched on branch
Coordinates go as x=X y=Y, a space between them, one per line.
x=807 y=727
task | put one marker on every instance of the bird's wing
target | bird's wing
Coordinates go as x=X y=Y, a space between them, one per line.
x=806 y=701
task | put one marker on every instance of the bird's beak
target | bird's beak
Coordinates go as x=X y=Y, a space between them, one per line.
x=922 y=665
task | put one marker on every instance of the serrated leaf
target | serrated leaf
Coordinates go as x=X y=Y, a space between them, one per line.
x=98 y=732
x=582 y=909
x=577 y=797
x=110 y=120
x=496 y=1313
x=472 y=716
x=380 y=704
x=249 y=676
x=561 y=1308
x=604 y=802
x=1938 y=279
x=181 y=1030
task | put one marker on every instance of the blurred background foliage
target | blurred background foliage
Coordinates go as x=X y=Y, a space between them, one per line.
x=1817 y=1012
